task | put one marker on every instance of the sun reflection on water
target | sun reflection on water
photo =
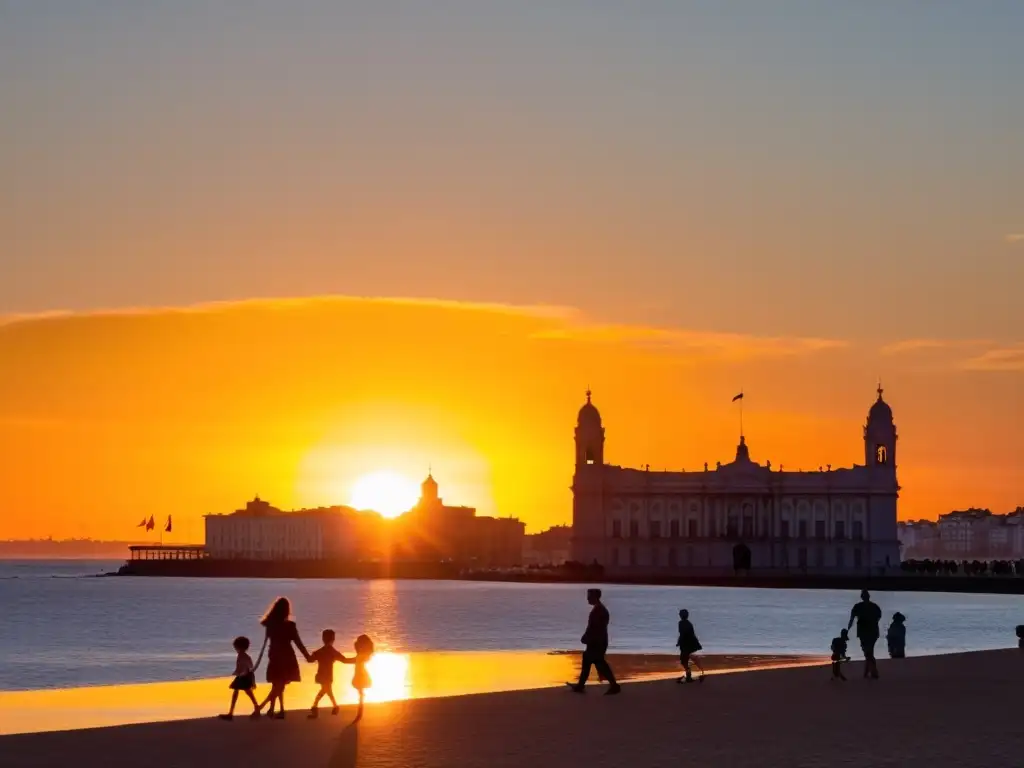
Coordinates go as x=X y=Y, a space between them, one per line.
x=394 y=676
x=389 y=673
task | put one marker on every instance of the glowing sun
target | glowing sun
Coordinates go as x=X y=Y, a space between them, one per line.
x=386 y=492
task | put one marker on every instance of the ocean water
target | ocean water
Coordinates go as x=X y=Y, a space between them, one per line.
x=62 y=627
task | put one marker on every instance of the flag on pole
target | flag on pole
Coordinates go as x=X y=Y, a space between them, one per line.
x=150 y=524
x=167 y=527
x=738 y=397
x=142 y=524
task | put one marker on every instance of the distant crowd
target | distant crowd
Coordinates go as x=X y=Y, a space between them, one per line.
x=964 y=567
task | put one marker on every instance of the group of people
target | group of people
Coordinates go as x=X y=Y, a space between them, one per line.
x=281 y=638
x=868 y=617
x=866 y=614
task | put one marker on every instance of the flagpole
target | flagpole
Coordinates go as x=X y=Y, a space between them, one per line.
x=741 y=413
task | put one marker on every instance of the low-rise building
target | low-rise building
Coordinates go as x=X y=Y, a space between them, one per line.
x=969 y=534
x=260 y=531
x=550 y=547
x=919 y=539
x=432 y=531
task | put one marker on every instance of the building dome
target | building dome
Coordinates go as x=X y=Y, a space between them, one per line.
x=430 y=484
x=588 y=415
x=880 y=411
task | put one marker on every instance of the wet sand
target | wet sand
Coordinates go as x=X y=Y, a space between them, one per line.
x=395 y=676
x=935 y=711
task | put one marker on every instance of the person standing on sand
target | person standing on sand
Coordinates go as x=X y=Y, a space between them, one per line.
x=595 y=642
x=867 y=615
x=896 y=636
x=688 y=645
x=282 y=665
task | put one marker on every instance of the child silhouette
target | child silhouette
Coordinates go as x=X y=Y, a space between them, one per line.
x=360 y=675
x=245 y=678
x=839 y=654
x=896 y=636
x=325 y=658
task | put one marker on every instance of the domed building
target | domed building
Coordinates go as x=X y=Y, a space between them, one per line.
x=742 y=515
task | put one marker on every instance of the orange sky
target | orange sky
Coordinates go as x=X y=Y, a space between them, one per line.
x=108 y=417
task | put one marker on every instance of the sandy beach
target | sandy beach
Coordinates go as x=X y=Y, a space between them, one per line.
x=937 y=711
x=396 y=676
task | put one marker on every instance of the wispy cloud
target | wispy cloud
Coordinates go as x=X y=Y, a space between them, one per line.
x=1005 y=358
x=213 y=307
x=731 y=347
x=914 y=346
x=1015 y=237
x=558 y=322
x=964 y=354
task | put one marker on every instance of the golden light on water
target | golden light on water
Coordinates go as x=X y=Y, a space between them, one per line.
x=395 y=676
x=390 y=675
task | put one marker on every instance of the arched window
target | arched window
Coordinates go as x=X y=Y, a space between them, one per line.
x=881 y=455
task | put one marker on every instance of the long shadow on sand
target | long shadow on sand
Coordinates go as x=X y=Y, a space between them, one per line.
x=346 y=748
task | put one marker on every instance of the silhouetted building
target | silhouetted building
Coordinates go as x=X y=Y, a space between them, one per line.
x=435 y=531
x=918 y=539
x=550 y=547
x=432 y=531
x=261 y=531
x=741 y=515
x=969 y=534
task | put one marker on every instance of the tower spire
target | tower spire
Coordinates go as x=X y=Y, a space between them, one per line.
x=879 y=390
x=588 y=393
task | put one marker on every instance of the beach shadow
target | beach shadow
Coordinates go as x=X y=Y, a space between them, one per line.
x=346 y=748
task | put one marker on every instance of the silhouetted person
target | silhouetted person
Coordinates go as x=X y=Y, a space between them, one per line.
x=839 y=655
x=245 y=678
x=1020 y=636
x=688 y=645
x=595 y=646
x=896 y=636
x=282 y=666
x=360 y=675
x=325 y=656
x=867 y=615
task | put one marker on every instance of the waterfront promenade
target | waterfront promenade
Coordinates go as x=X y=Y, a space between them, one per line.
x=931 y=711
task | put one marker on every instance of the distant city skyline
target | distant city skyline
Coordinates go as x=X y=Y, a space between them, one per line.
x=282 y=247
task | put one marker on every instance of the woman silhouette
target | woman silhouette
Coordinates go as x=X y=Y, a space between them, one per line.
x=282 y=666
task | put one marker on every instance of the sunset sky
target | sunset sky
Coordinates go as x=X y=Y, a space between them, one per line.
x=267 y=247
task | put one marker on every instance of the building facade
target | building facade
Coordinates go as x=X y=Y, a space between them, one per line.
x=550 y=547
x=737 y=516
x=919 y=539
x=260 y=531
x=433 y=530
x=969 y=534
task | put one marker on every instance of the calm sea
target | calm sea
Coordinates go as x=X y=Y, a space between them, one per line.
x=60 y=626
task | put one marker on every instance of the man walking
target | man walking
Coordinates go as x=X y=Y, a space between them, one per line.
x=595 y=642
x=867 y=615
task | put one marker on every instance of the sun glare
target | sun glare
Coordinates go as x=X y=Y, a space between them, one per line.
x=388 y=493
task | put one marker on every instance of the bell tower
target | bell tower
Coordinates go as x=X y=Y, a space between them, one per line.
x=880 y=437
x=589 y=436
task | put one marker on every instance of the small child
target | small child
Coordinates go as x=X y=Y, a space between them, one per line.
x=896 y=636
x=245 y=678
x=325 y=658
x=360 y=676
x=839 y=654
x=1020 y=636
